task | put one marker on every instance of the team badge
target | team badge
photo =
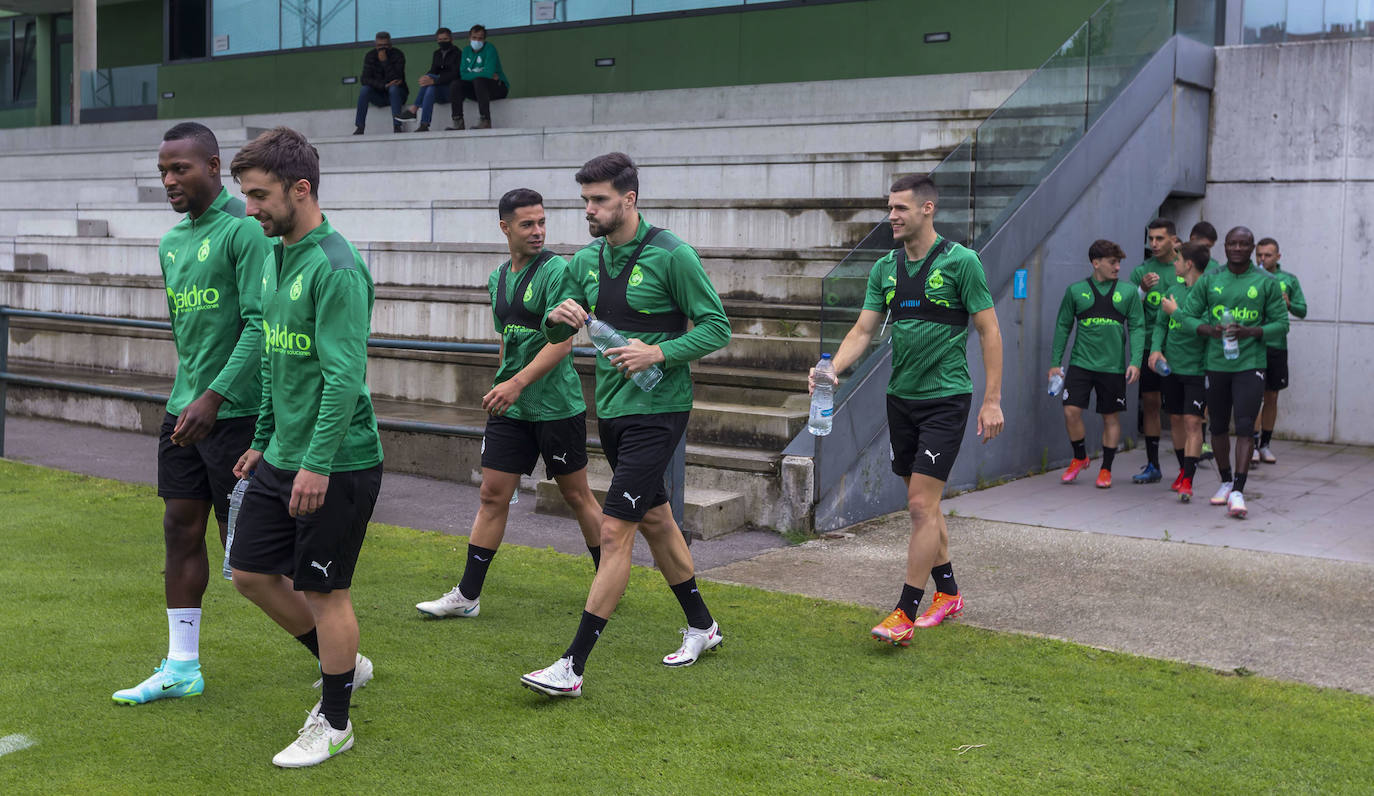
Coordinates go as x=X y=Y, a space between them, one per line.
x=296 y=287
x=529 y=292
x=1252 y=293
x=1117 y=297
x=936 y=280
x=636 y=276
x=204 y=251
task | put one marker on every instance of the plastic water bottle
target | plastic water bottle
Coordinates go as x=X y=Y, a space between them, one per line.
x=605 y=336
x=1057 y=383
x=822 y=398
x=1162 y=368
x=515 y=496
x=235 y=501
x=1230 y=346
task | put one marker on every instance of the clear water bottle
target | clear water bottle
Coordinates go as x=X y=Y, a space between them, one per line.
x=823 y=398
x=605 y=336
x=1230 y=346
x=1162 y=368
x=1057 y=383
x=515 y=496
x=235 y=501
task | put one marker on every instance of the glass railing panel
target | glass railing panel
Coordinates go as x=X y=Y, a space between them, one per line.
x=1197 y=19
x=1264 y=22
x=245 y=26
x=1340 y=19
x=1121 y=37
x=120 y=87
x=842 y=296
x=313 y=23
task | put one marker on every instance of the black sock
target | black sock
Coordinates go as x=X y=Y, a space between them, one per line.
x=1080 y=449
x=475 y=572
x=943 y=576
x=1266 y=437
x=1108 y=456
x=311 y=640
x=692 y=604
x=1189 y=467
x=1224 y=474
x=338 y=689
x=588 y=631
x=1238 y=485
x=595 y=550
x=1152 y=450
x=910 y=600
x=1178 y=454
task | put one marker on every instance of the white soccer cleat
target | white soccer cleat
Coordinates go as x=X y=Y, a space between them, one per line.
x=695 y=642
x=1267 y=456
x=1222 y=495
x=1255 y=455
x=1235 y=505
x=315 y=743
x=362 y=673
x=451 y=604
x=555 y=681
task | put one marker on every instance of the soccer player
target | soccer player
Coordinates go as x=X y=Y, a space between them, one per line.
x=1235 y=385
x=932 y=287
x=1185 y=388
x=1103 y=314
x=648 y=283
x=1152 y=277
x=1205 y=234
x=211 y=266
x=1276 y=372
x=535 y=404
x=316 y=455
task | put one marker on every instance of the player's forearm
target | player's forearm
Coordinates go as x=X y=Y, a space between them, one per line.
x=852 y=347
x=990 y=339
x=545 y=361
x=710 y=332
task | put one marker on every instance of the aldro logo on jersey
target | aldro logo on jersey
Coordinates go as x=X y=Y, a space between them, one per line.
x=280 y=339
x=203 y=253
x=1241 y=314
x=192 y=299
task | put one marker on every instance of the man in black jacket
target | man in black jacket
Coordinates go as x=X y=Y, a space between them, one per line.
x=384 y=81
x=435 y=84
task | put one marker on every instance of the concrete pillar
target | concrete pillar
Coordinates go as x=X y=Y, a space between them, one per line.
x=83 y=49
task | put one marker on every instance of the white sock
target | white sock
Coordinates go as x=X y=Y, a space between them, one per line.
x=183 y=634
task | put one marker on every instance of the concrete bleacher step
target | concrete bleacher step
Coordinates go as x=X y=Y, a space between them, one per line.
x=62 y=226
x=707 y=513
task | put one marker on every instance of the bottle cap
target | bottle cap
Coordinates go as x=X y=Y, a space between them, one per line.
x=825 y=356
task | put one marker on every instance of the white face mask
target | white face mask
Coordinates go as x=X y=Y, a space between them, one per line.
x=477 y=45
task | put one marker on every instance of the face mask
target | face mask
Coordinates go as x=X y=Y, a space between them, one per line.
x=477 y=45
x=446 y=45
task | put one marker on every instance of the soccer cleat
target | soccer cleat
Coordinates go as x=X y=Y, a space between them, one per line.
x=1267 y=456
x=1104 y=479
x=1207 y=451
x=315 y=743
x=1075 y=467
x=1185 y=490
x=362 y=673
x=1235 y=505
x=942 y=606
x=1178 y=479
x=451 y=604
x=896 y=629
x=1148 y=474
x=1223 y=492
x=555 y=681
x=171 y=679
x=1255 y=455
x=695 y=642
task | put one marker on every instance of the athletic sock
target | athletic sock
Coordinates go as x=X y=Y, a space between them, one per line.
x=1080 y=448
x=692 y=605
x=1266 y=437
x=311 y=640
x=1152 y=450
x=1190 y=467
x=338 y=688
x=943 y=576
x=595 y=550
x=1178 y=454
x=475 y=571
x=910 y=600
x=1238 y=485
x=183 y=634
x=1224 y=475
x=588 y=631
x=1108 y=456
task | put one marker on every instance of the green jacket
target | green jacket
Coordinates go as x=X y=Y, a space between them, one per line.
x=1100 y=342
x=486 y=63
x=1297 y=302
x=1254 y=299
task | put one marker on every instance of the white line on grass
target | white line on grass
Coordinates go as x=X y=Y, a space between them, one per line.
x=13 y=743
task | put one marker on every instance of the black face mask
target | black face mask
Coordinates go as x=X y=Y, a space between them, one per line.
x=446 y=45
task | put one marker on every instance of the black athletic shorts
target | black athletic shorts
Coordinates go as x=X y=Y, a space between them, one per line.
x=1241 y=392
x=205 y=470
x=639 y=449
x=1150 y=380
x=1276 y=373
x=925 y=436
x=514 y=446
x=1184 y=395
x=318 y=550
x=1079 y=383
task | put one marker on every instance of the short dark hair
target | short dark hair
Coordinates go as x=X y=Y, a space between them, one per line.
x=381 y=34
x=516 y=199
x=477 y=29
x=1267 y=242
x=1105 y=248
x=1203 y=229
x=1164 y=224
x=283 y=153
x=1197 y=254
x=197 y=132
x=920 y=184
x=443 y=30
x=613 y=167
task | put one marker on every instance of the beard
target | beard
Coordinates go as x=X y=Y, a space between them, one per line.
x=598 y=229
x=280 y=226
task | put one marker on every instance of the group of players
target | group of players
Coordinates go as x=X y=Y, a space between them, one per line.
x=1189 y=357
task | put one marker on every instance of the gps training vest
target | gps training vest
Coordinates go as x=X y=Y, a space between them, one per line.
x=1102 y=305
x=612 y=307
x=909 y=300
x=517 y=313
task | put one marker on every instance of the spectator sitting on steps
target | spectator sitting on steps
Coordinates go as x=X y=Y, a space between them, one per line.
x=436 y=83
x=384 y=81
x=481 y=78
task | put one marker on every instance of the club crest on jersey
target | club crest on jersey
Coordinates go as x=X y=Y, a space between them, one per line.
x=636 y=276
x=296 y=287
x=203 y=253
x=1252 y=292
x=171 y=257
x=1116 y=297
x=936 y=280
x=529 y=292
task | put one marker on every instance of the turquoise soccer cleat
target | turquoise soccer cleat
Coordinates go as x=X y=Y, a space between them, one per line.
x=170 y=679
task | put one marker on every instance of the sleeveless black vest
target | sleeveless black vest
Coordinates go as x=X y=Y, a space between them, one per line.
x=910 y=300
x=517 y=313
x=1102 y=305
x=612 y=307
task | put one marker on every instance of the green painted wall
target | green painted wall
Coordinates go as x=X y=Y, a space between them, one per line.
x=128 y=34
x=864 y=38
x=16 y=117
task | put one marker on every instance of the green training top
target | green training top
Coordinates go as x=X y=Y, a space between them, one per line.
x=316 y=314
x=1213 y=265
x=486 y=63
x=1155 y=294
x=1254 y=299
x=1100 y=343
x=1297 y=302
x=669 y=277
x=559 y=393
x=929 y=359
x=212 y=269
x=1182 y=348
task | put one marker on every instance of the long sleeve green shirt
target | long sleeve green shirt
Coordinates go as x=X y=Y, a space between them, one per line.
x=316 y=412
x=1099 y=343
x=486 y=63
x=1155 y=294
x=1297 y=302
x=1254 y=299
x=1182 y=348
x=559 y=393
x=212 y=269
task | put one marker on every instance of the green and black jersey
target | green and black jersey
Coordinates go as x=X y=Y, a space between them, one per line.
x=1153 y=295
x=1103 y=313
x=930 y=359
x=316 y=413
x=559 y=393
x=1297 y=302
x=212 y=269
x=1182 y=348
x=1254 y=299
x=667 y=278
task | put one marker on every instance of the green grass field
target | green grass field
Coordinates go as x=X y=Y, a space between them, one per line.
x=798 y=701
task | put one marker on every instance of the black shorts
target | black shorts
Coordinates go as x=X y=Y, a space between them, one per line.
x=514 y=446
x=1080 y=383
x=926 y=435
x=1185 y=395
x=1276 y=372
x=205 y=470
x=639 y=449
x=318 y=550
x=1241 y=392
x=1150 y=380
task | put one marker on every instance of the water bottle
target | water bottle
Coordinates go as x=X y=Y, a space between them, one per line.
x=235 y=501
x=1162 y=368
x=1230 y=346
x=515 y=496
x=605 y=336
x=1057 y=383
x=822 y=398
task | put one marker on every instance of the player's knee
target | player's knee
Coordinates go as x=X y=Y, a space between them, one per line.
x=180 y=528
x=494 y=499
x=923 y=507
x=250 y=584
x=578 y=497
